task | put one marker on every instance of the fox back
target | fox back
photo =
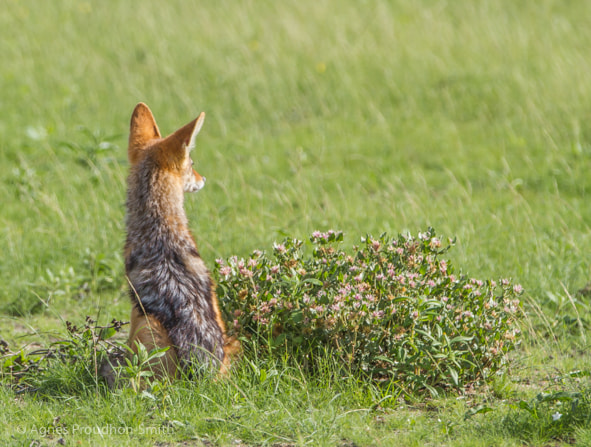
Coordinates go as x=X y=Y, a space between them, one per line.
x=174 y=302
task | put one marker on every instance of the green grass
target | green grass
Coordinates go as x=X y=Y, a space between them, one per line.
x=367 y=116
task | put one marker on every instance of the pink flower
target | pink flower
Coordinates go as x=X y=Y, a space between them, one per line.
x=225 y=271
x=279 y=248
x=275 y=269
x=246 y=273
x=378 y=314
x=517 y=289
x=265 y=308
x=363 y=286
x=375 y=245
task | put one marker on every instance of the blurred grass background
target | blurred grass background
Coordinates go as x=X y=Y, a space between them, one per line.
x=368 y=116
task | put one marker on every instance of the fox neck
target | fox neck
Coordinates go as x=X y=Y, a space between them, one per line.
x=155 y=212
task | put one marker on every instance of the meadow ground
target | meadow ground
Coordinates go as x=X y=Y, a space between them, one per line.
x=365 y=116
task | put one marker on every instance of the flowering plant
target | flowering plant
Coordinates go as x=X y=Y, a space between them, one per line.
x=391 y=308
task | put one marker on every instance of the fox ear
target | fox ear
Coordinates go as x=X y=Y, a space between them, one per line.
x=183 y=140
x=142 y=129
x=197 y=125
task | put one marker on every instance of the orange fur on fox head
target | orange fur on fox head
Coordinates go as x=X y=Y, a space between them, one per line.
x=171 y=153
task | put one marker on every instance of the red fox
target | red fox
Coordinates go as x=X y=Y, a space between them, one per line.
x=172 y=293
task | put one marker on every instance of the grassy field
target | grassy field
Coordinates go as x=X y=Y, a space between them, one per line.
x=367 y=116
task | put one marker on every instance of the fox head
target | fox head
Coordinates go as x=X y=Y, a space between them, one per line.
x=171 y=153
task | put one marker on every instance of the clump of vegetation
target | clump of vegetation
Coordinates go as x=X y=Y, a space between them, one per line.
x=69 y=365
x=553 y=415
x=392 y=308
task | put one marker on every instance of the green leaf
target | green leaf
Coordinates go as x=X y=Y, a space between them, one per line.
x=157 y=353
x=481 y=409
x=460 y=338
x=297 y=316
x=107 y=333
x=314 y=281
x=279 y=340
x=562 y=396
x=148 y=395
x=298 y=340
x=527 y=407
x=454 y=376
